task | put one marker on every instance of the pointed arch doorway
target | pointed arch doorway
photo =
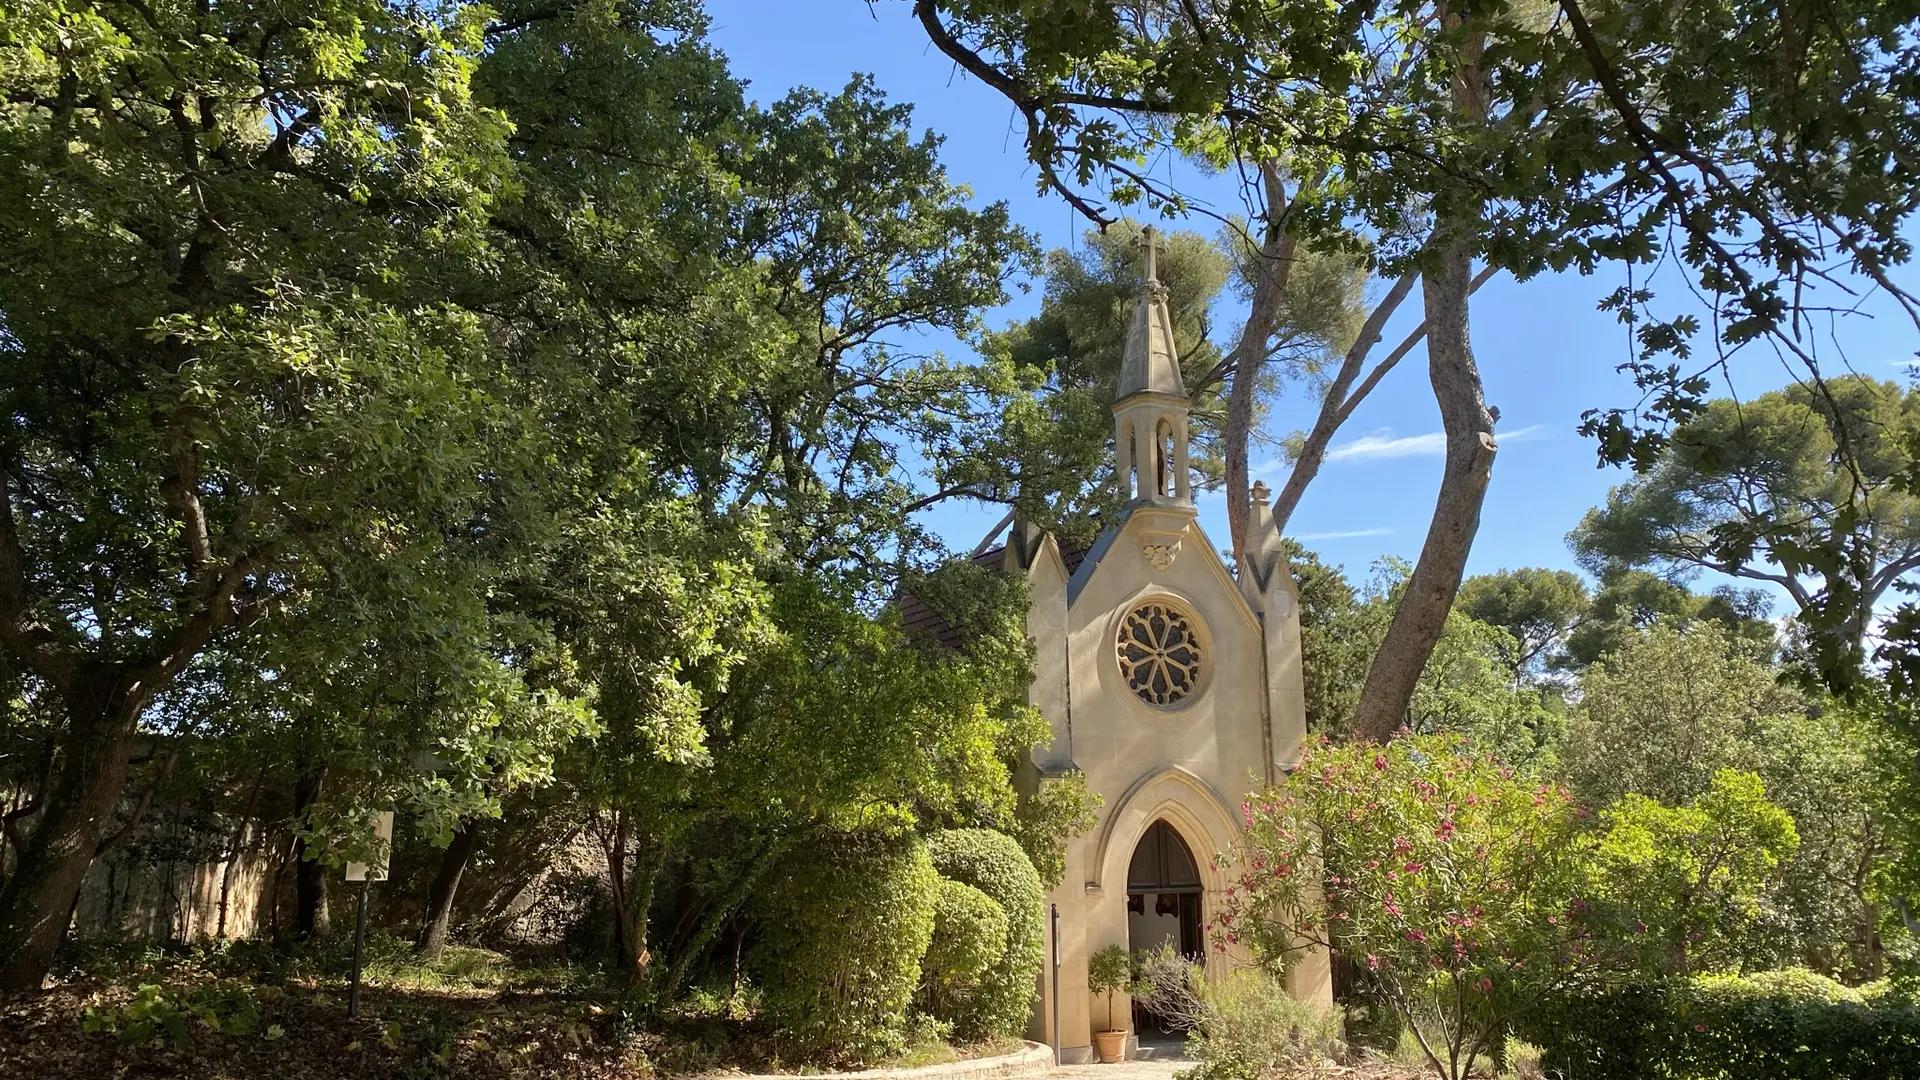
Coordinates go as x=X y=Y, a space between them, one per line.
x=1164 y=894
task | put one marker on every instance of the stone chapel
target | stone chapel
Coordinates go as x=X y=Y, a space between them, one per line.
x=1174 y=686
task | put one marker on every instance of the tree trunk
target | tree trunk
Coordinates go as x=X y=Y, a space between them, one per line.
x=433 y=936
x=1274 y=260
x=37 y=901
x=1339 y=402
x=1422 y=615
x=310 y=920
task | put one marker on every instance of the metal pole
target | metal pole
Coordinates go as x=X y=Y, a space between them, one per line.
x=1055 y=908
x=359 y=947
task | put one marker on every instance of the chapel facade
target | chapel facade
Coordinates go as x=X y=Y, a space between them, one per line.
x=1171 y=683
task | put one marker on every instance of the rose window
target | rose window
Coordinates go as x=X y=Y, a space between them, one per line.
x=1159 y=653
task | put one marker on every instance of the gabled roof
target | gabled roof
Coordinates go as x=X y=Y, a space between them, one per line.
x=921 y=621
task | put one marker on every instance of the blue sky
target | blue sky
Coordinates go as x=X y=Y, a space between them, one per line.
x=1545 y=352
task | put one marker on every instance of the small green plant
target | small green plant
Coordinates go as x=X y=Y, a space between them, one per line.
x=1523 y=1060
x=228 y=1008
x=1110 y=971
x=1247 y=1027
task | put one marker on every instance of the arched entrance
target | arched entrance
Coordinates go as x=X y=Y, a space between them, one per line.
x=1163 y=894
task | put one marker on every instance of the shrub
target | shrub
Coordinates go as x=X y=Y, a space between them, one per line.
x=993 y=863
x=1789 y=1025
x=969 y=937
x=226 y=1007
x=1249 y=1028
x=1690 y=880
x=1169 y=986
x=1453 y=883
x=842 y=931
x=1109 y=971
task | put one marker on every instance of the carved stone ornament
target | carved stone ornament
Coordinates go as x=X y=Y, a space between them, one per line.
x=1161 y=556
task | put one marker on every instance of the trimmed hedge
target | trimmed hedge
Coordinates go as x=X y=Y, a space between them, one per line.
x=969 y=936
x=994 y=863
x=841 y=932
x=1781 y=1025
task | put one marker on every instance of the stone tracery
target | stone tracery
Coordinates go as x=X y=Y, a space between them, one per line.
x=1159 y=653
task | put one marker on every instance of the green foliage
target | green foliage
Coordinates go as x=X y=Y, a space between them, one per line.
x=993 y=863
x=1537 y=608
x=1562 y=156
x=1059 y=809
x=1110 y=971
x=155 y=1012
x=1670 y=709
x=1339 y=633
x=970 y=935
x=1795 y=1025
x=1692 y=878
x=1466 y=685
x=1249 y=1028
x=843 y=926
x=1467 y=689
x=1806 y=488
x=1454 y=884
x=1631 y=601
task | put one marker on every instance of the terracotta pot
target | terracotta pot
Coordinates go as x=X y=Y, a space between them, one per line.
x=1111 y=1045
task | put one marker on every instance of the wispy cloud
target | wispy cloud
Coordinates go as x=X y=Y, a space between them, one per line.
x=1350 y=534
x=1384 y=444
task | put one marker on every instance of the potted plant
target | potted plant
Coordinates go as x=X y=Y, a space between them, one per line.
x=1110 y=971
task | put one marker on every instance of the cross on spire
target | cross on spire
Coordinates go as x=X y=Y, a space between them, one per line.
x=1151 y=241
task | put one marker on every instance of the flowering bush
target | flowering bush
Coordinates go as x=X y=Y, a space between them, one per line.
x=1452 y=882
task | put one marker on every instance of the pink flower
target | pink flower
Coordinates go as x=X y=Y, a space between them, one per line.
x=1380 y=761
x=1373 y=962
x=1416 y=934
x=1485 y=985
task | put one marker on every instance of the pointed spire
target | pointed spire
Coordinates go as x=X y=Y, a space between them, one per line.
x=1149 y=364
x=1263 y=573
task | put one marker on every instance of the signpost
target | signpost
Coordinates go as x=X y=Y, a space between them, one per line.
x=1054 y=914
x=366 y=874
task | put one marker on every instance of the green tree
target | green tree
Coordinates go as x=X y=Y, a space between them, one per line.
x=1804 y=488
x=858 y=236
x=235 y=240
x=1629 y=602
x=1662 y=716
x=1692 y=878
x=1538 y=608
x=1466 y=689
